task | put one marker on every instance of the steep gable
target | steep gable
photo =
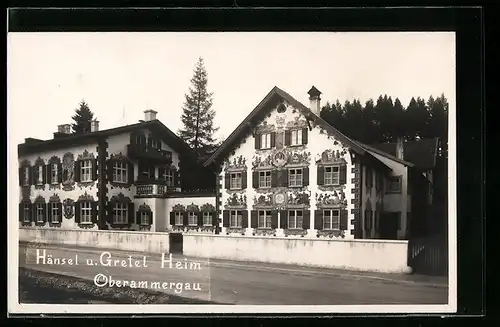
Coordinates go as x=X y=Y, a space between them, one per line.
x=420 y=153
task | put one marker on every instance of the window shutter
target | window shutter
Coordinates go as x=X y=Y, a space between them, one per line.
x=257 y=141
x=306 y=219
x=318 y=219
x=287 y=137
x=305 y=176
x=244 y=218
x=44 y=213
x=150 y=218
x=131 y=212
x=48 y=173
x=30 y=177
x=94 y=211
x=244 y=179
x=33 y=212
x=130 y=172
x=33 y=175
x=94 y=169
x=21 y=176
x=227 y=179
x=225 y=218
x=214 y=218
x=255 y=179
x=44 y=174
x=177 y=178
x=21 y=212
x=150 y=140
x=77 y=212
x=110 y=212
x=59 y=211
x=283 y=219
x=172 y=218
x=320 y=173
x=161 y=173
x=77 y=171
x=253 y=219
x=59 y=173
x=273 y=139
x=274 y=178
x=138 y=217
x=274 y=219
x=48 y=208
x=185 y=219
x=284 y=177
x=343 y=219
x=304 y=135
x=342 y=174
x=109 y=165
x=200 y=218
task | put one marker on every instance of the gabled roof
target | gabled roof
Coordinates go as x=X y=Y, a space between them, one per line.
x=421 y=153
x=264 y=107
x=372 y=149
x=35 y=146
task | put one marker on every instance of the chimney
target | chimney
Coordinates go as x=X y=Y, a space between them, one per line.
x=315 y=100
x=400 y=152
x=63 y=130
x=94 y=126
x=149 y=115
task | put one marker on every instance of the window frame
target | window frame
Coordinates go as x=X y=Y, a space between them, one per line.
x=266 y=219
x=27 y=212
x=122 y=208
x=120 y=168
x=265 y=141
x=178 y=218
x=207 y=215
x=85 y=212
x=296 y=219
x=297 y=137
x=54 y=173
x=295 y=184
x=238 y=176
x=39 y=175
x=168 y=176
x=40 y=209
x=237 y=215
x=391 y=181
x=86 y=170
x=144 y=221
x=331 y=216
x=54 y=208
x=266 y=179
x=332 y=174
x=192 y=218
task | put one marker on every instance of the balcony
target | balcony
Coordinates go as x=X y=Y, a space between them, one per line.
x=153 y=189
x=135 y=151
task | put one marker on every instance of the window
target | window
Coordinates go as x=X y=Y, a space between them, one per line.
x=264 y=179
x=53 y=174
x=86 y=171
x=332 y=175
x=39 y=213
x=394 y=185
x=39 y=175
x=120 y=172
x=26 y=178
x=207 y=219
x=192 y=219
x=154 y=143
x=295 y=177
x=295 y=219
x=168 y=176
x=179 y=221
x=296 y=137
x=144 y=218
x=331 y=219
x=235 y=218
x=235 y=181
x=147 y=171
x=26 y=212
x=55 y=212
x=264 y=219
x=120 y=213
x=86 y=213
x=265 y=141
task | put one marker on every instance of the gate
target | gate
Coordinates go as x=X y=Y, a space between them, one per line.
x=175 y=241
x=429 y=255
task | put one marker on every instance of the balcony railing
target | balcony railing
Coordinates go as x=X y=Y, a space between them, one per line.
x=135 y=151
x=151 y=190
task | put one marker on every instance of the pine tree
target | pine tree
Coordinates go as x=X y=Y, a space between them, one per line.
x=83 y=117
x=198 y=115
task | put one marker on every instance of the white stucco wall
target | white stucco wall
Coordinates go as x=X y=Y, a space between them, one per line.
x=318 y=142
x=48 y=191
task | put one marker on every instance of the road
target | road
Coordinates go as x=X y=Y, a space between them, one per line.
x=232 y=282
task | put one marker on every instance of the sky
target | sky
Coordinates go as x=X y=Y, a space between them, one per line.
x=122 y=74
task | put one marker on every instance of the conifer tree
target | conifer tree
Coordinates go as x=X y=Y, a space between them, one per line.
x=83 y=117
x=198 y=115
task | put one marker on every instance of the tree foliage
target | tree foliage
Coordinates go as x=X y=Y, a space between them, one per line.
x=82 y=118
x=197 y=114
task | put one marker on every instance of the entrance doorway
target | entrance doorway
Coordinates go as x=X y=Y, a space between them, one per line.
x=175 y=240
x=389 y=225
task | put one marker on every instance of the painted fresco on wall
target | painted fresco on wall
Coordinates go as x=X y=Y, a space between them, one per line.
x=236 y=201
x=298 y=198
x=237 y=163
x=68 y=208
x=331 y=199
x=68 y=174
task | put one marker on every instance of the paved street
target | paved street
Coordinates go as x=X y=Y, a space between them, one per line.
x=232 y=282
